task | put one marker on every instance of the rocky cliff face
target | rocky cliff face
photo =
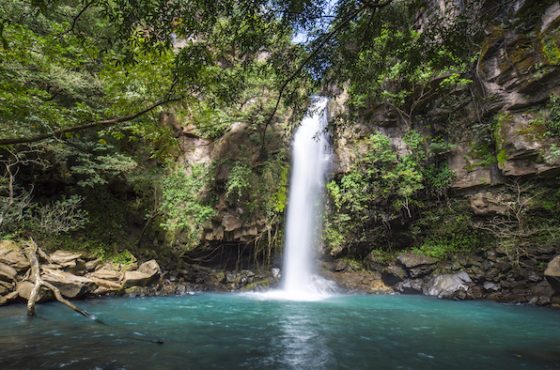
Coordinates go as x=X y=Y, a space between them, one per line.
x=504 y=153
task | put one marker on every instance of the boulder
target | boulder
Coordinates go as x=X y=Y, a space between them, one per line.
x=393 y=274
x=106 y=273
x=148 y=273
x=552 y=273
x=24 y=288
x=65 y=259
x=70 y=285
x=448 y=285
x=490 y=286
x=411 y=260
x=106 y=285
x=417 y=265
x=8 y=298
x=136 y=278
x=93 y=265
x=6 y=287
x=7 y=272
x=150 y=268
x=410 y=286
x=11 y=254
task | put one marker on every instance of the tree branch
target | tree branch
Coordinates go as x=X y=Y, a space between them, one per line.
x=87 y=126
x=369 y=4
x=77 y=17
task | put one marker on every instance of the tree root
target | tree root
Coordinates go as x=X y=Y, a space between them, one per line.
x=31 y=250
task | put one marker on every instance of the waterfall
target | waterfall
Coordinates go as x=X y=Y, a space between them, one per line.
x=310 y=162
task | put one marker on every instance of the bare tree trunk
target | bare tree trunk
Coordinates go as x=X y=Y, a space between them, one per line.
x=31 y=251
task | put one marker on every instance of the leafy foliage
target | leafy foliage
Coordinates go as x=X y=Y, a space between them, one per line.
x=444 y=231
x=182 y=204
x=377 y=189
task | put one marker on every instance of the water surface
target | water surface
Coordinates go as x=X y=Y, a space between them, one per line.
x=229 y=331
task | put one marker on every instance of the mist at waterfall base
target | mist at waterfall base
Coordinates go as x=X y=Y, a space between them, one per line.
x=310 y=163
x=233 y=331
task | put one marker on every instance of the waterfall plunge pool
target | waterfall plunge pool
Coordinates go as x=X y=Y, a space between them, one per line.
x=237 y=331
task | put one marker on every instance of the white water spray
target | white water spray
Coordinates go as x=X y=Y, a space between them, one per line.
x=310 y=163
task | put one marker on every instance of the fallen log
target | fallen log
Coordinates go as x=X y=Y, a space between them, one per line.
x=31 y=250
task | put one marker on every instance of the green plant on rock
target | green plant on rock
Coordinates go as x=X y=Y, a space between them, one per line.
x=378 y=188
x=501 y=121
x=239 y=181
x=444 y=231
x=553 y=120
x=183 y=208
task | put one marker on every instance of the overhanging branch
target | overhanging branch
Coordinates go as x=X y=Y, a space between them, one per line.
x=86 y=126
x=366 y=4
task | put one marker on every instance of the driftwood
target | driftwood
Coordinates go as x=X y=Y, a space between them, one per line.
x=31 y=251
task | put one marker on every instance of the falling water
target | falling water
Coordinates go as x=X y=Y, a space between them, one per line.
x=310 y=161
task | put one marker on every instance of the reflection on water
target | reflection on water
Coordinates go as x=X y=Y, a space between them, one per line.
x=301 y=344
x=212 y=331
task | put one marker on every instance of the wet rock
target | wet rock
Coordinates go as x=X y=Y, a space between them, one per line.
x=340 y=265
x=275 y=273
x=552 y=273
x=448 y=285
x=490 y=286
x=410 y=286
x=359 y=281
x=475 y=292
x=12 y=255
x=543 y=291
x=393 y=274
